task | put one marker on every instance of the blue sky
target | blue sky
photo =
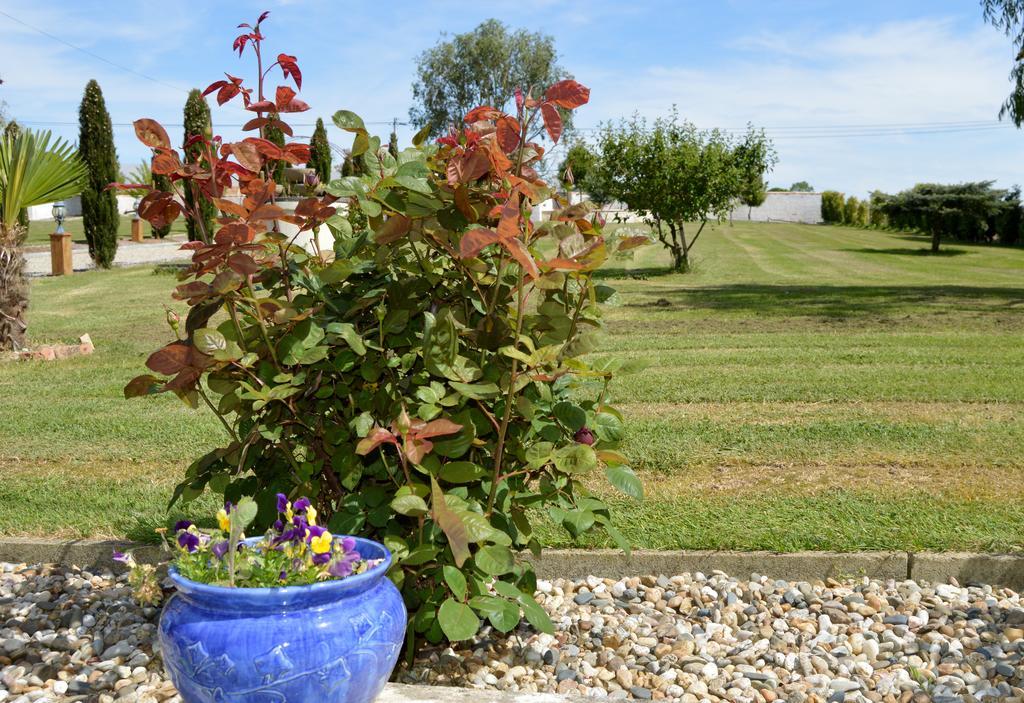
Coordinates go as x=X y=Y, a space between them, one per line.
x=805 y=70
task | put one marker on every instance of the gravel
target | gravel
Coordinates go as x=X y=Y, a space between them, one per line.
x=37 y=263
x=70 y=635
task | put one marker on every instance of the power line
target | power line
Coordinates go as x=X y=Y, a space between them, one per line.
x=90 y=53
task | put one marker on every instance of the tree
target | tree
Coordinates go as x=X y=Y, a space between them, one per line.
x=968 y=212
x=33 y=170
x=801 y=187
x=482 y=67
x=393 y=144
x=675 y=174
x=850 y=211
x=274 y=134
x=320 y=153
x=832 y=207
x=576 y=169
x=99 y=205
x=1008 y=16
x=197 y=122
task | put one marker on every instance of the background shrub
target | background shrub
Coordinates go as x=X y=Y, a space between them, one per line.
x=832 y=207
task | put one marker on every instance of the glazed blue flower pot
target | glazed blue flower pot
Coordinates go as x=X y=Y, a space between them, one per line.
x=329 y=642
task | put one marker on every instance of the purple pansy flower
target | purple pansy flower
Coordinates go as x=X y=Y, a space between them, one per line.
x=219 y=549
x=189 y=541
x=321 y=559
x=282 y=503
x=119 y=556
x=278 y=526
x=301 y=505
x=282 y=576
x=182 y=525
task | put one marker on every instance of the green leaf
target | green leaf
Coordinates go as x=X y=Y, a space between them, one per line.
x=623 y=478
x=209 y=341
x=338 y=271
x=455 y=580
x=494 y=560
x=347 y=332
x=476 y=391
x=348 y=121
x=450 y=523
x=575 y=459
x=536 y=615
x=458 y=620
x=578 y=521
x=502 y=614
x=570 y=415
x=608 y=427
x=411 y=505
x=461 y=472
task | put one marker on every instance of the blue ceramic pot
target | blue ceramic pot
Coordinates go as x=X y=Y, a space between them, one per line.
x=329 y=642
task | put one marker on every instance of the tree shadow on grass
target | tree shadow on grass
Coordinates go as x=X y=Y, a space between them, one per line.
x=643 y=273
x=832 y=301
x=909 y=252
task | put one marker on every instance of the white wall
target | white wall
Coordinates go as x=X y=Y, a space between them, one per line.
x=73 y=208
x=783 y=207
x=777 y=207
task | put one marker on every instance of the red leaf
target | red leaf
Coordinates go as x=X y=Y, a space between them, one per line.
x=507 y=133
x=170 y=359
x=450 y=523
x=159 y=208
x=377 y=437
x=243 y=264
x=474 y=240
x=633 y=242
x=234 y=233
x=285 y=100
x=393 y=229
x=247 y=154
x=468 y=167
x=151 y=133
x=521 y=254
x=290 y=68
x=255 y=123
x=297 y=153
x=568 y=94
x=436 y=428
x=508 y=225
x=484 y=112
x=267 y=211
x=552 y=121
x=165 y=162
x=214 y=86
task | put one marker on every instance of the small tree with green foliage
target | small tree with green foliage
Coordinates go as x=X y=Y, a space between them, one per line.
x=99 y=204
x=674 y=174
x=197 y=122
x=1008 y=16
x=832 y=203
x=876 y=215
x=320 y=153
x=850 y=211
x=801 y=187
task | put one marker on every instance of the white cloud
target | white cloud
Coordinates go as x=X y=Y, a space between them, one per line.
x=924 y=71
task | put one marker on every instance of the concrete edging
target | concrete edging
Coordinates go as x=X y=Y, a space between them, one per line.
x=965 y=567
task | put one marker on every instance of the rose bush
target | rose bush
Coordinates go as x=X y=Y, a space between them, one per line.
x=424 y=381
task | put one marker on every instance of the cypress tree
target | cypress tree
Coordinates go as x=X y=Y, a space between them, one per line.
x=161 y=182
x=273 y=134
x=347 y=166
x=320 y=153
x=197 y=121
x=96 y=146
x=393 y=144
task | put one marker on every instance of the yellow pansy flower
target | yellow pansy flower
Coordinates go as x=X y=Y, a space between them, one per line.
x=321 y=544
x=311 y=515
x=223 y=520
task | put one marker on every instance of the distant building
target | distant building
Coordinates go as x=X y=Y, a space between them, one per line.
x=777 y=207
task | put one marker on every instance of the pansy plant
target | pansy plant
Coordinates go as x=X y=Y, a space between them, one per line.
x=295 y=551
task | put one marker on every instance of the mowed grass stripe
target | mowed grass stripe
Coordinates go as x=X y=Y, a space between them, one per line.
x=807 y=387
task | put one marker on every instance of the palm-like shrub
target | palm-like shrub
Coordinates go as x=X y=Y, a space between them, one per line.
x=33 y=170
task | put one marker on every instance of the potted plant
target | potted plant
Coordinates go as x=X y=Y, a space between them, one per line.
x=427 y=381
x=298 y=614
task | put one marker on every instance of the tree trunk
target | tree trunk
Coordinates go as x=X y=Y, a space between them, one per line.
x=680 y=252
x=935 y=241
x=13 y=290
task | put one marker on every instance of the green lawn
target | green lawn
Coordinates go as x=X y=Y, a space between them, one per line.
x=807 y=388
x=39 y=231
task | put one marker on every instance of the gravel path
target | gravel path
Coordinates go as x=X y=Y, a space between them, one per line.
x=67 y=634
x=128 y=254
